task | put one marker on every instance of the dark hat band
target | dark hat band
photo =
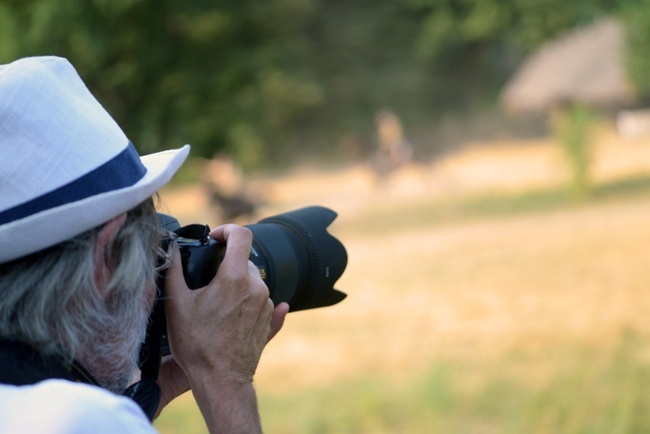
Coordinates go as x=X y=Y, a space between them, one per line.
x=123 y=170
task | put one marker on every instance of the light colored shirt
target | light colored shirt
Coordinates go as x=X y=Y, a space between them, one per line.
x=63 y=407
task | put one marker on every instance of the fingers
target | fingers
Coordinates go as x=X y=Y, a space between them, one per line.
x=277 y=319
x=174 y=281
x=238 y=241
x=228 y=234
x=229 y=321
x=255 y=274
x=263 y=322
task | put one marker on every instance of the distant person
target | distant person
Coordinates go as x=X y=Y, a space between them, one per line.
x=79 y=256
x=393 y=150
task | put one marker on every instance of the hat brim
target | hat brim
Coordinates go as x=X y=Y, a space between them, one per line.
x=48 y=228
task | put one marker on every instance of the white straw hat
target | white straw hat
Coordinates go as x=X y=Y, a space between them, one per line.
x=65 y=165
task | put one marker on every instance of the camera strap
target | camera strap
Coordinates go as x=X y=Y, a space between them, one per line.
x=22 y=365
x=146 y=392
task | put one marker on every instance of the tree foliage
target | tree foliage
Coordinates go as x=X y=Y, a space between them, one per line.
x=260 y=80
x=637 y=19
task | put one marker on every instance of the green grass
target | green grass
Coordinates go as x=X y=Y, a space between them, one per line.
x=567 y=390
x=582 y=391
x=568 y=387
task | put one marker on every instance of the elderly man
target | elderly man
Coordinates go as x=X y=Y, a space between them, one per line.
x=79 y=251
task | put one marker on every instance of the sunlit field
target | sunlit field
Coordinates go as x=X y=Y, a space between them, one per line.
x=482 y=298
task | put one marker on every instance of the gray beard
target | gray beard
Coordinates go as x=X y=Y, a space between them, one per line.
x=111 y=353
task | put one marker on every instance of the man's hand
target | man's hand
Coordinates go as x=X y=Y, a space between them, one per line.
x=217 y=334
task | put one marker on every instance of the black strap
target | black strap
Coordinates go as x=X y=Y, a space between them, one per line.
x=146 y=393
x=22 y=365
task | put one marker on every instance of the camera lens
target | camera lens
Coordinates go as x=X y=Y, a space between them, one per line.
x=299 y=260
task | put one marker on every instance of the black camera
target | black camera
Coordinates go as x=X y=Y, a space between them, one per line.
x=298 y=259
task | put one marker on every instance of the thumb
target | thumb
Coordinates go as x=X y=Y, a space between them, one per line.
x=175 y=286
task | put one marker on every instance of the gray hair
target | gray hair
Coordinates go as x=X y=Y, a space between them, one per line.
x=50 y=300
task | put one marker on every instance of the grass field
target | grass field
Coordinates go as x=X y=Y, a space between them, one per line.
x=483 y=298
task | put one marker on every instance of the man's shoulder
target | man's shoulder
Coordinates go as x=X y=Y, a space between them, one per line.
x=58 y=406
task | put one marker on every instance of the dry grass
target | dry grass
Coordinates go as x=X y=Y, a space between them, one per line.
x=475 y=291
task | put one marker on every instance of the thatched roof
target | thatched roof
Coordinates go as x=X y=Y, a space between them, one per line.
x=585 y=66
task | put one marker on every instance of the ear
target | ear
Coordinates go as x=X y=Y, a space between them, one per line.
x=106 y=235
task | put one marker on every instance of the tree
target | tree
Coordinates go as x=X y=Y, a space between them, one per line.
x=260 y=80
x=174 y=72
x=636 y=15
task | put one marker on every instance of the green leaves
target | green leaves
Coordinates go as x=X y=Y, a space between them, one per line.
x=289 y=74
x=637 y=33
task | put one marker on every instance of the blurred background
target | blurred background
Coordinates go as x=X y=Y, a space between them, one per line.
x=490 y=164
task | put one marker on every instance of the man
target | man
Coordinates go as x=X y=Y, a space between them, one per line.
x=79 y=247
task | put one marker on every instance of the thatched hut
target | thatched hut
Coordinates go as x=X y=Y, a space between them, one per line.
x=583 y=66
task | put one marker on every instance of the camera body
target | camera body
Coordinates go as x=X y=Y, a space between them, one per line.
x=298 y=259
